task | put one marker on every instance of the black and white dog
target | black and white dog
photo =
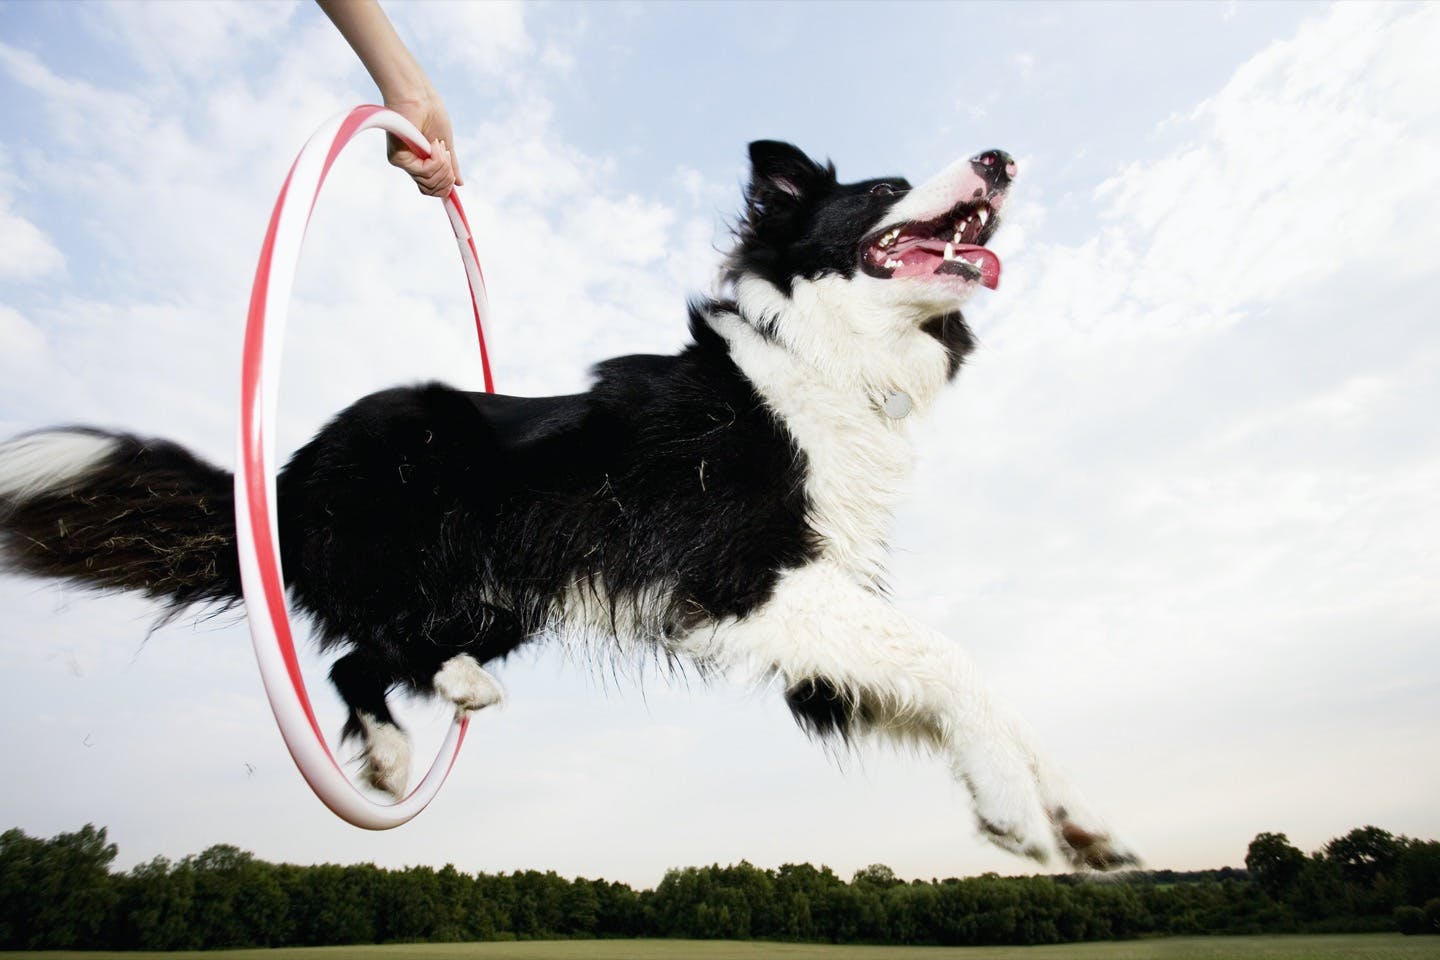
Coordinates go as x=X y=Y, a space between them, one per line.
x=729 y=504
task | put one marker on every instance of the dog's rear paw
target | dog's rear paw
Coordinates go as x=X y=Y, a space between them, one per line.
x=386 y=756
x=466 y=684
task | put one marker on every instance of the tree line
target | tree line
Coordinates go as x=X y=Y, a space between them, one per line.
x=62 y=893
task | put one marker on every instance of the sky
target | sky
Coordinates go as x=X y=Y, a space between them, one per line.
x=1182 y=506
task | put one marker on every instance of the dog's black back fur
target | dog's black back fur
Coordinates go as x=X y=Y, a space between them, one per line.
x=432 y=519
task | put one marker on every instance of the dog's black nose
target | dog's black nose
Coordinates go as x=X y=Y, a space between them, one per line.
x=996 y=166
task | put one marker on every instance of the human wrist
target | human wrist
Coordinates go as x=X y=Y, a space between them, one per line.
x=410 y=93
x=403 y=81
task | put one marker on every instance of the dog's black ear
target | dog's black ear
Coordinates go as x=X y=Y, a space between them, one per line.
x=781 y=173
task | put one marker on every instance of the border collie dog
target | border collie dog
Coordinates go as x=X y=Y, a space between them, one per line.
x=728 y=506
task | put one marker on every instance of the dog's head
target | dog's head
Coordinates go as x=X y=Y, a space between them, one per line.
x=886 y=256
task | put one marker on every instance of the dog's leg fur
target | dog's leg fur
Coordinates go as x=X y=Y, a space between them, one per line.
x=885 y=673
x=362 y=682
x=463 y=682
x=386 y=755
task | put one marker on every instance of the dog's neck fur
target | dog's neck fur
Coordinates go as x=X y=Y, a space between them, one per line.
x=831 y=401
x=850 y=335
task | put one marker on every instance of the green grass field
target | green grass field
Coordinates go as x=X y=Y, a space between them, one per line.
x=1378 y=946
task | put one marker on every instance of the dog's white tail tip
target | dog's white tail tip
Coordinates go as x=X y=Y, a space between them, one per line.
x=51 y=461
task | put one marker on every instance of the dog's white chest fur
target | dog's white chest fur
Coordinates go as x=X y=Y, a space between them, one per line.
x=857 y=459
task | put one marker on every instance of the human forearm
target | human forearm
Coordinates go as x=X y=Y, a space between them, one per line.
x=368 y=31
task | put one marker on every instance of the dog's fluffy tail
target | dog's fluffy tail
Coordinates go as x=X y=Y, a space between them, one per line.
x=113 y=511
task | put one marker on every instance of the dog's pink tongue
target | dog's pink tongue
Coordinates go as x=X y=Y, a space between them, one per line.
x=988 y=263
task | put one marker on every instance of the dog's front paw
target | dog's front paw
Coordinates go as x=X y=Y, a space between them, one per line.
x=1025 y=807
x=1081 y=835
x=463 y=682
x=1090 y=846
x=1007 y=802
x=386 y=756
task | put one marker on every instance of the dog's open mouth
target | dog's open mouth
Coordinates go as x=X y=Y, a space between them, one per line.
x=949 y=246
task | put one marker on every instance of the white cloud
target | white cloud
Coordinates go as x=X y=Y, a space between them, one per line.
x=1303 y=170
x=26 y=253
x=485 y=41
x=78 y=113
x=25 y=350
x=183 y=42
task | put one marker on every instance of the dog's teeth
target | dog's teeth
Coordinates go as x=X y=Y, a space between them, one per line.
x=984 y=217
x=893 y=264
x=949 y=251
x=957 y=236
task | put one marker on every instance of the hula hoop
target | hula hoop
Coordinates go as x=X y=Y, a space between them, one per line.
x=256 y=529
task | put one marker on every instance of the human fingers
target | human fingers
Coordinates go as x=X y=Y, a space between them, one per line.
x=428 y=114
x=439 y=129
x=437 y=175
x=433 y=175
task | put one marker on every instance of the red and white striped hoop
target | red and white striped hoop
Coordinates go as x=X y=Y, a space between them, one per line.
x=256 y=529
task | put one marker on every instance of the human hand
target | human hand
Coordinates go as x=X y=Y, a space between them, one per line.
x=406 y=91
x=435 y=175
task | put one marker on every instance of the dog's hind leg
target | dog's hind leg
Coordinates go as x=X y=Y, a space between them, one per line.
x=362 y=682
x=852 y=664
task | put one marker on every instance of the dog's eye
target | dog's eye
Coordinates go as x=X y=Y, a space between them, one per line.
x=882 y=190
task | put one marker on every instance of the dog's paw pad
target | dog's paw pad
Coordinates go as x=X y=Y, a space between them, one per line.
x=1086 y=848
x=386 y=757
x=466 y=684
